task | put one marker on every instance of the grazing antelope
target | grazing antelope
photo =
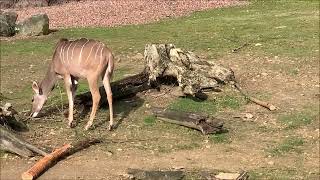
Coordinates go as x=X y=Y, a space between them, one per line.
x=81 y=58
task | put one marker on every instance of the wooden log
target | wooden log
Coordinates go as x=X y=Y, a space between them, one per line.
x=203 y=123
x=50 y=159
x=10 y=142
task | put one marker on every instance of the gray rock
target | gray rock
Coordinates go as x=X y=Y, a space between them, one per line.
x=34 y=26
x=8 y=23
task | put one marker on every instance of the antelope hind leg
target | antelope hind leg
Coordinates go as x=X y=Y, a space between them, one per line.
x=68 y=85
x=106 y=84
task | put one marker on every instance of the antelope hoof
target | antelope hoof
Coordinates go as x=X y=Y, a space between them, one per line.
x=71 y=125
x=87 y=127
x=110 y=127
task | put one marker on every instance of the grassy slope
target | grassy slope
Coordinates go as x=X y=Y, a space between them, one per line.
x=272 y=28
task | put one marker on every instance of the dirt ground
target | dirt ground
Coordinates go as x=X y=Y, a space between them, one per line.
x=250 y=144
x=142 y=146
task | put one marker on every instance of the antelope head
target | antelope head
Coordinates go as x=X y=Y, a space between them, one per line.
x=38 y=99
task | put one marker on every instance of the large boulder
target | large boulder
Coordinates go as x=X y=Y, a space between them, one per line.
x=8 y=23
x=34 y=26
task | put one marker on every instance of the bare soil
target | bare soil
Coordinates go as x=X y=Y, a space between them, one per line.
x=164 y=146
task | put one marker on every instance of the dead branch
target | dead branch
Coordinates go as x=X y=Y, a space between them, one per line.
x=254 y=100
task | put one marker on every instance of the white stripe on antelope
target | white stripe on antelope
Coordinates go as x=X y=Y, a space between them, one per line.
x=91 y=69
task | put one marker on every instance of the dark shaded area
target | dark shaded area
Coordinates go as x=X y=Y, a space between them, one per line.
x=121 y=89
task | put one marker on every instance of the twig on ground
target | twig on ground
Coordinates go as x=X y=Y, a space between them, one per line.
x=257 y=101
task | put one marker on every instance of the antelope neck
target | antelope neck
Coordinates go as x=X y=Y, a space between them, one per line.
x=48 y=81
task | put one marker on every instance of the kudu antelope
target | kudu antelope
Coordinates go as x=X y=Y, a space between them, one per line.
x=81 y=58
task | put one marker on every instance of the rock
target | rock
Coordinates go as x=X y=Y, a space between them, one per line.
x=8 y=23
x=34 y=26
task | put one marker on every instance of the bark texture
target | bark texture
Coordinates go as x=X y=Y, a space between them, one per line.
x=192 y=73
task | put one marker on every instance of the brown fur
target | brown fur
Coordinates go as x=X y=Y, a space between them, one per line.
x=81 y=58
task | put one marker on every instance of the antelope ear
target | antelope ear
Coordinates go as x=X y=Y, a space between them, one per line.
x=35 y=87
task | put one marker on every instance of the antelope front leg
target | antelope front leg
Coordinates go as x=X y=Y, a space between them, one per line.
x=68 y=85
x=94 y=89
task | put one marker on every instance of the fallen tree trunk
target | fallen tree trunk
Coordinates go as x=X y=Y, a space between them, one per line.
x=205 y=124
x=121 y=89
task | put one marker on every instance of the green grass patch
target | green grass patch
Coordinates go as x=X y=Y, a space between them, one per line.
x=209 y=106
x=296 y=120
x=216 y=31
x=290 y=144
x=149 y=120
x=220 y=138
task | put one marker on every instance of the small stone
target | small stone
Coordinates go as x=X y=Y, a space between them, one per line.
x=258 y=44
x=119 y=149
x=5 y=156
x=271 y=163
x=248 y=115
x=108 y=153
x=226 y=176
x=148 y=106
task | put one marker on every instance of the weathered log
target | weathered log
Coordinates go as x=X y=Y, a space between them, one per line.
x=9 y=119
x=205 y=124
x=192 y=73
x=50 y=159
x=9 y=142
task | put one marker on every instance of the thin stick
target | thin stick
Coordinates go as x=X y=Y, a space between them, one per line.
x=257 y=101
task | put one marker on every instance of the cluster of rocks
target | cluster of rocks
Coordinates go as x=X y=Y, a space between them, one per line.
x=34 y=26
